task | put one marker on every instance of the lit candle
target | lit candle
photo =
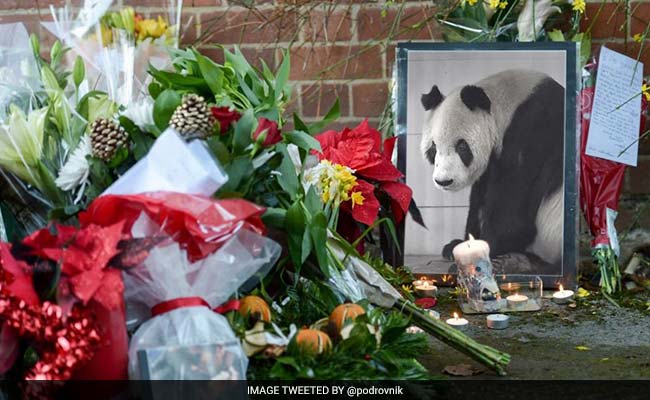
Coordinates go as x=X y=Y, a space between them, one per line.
x=517 y=300
x=426 y=289
x=458 y=323
x=497 y=321
x=471 y=251
x=562 y=296
x=510 y=287
x=420 y=281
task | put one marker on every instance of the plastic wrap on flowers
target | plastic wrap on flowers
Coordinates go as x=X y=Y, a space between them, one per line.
x=181 y=295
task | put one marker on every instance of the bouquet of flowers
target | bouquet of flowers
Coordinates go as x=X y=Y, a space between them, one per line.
x=174 y=201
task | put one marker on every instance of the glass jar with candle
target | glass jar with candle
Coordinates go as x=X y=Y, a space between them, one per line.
x=522 y=293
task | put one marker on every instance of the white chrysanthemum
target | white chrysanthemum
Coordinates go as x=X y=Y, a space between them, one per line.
x=141 y=113
x=75 y=171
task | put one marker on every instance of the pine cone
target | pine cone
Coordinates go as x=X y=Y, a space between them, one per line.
x=106 y=137
x=193 y=119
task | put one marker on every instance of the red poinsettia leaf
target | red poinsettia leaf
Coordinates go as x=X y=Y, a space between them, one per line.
x=389 y=146
x=21 y=284
x=355 y=148
x=9 y=346
x=400 y=193
x=382 y=171
x=85 y=284
x=367 y=212
x=109 y=294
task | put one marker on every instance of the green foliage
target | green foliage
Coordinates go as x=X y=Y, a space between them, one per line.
x=364 y=355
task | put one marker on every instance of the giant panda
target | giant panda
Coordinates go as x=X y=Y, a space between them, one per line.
x=504 y=137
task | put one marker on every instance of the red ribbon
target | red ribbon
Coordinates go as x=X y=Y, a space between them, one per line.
x=232 y=305
x=181 y=302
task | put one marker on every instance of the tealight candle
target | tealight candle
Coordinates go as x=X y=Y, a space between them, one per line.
x=426 y=289
x=458 y=323
x=420 y=281
x=510 y=287
x=497 y=321
x=517 y=300
x=562 y=296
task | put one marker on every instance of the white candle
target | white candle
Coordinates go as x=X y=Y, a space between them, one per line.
x=458 y=323
x=562 y=296
x=420 y=281
x=517 y=300
x=497 y=321
x=426 y=289
x=471 y=251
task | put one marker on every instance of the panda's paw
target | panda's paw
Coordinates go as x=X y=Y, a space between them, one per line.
x=448 y=250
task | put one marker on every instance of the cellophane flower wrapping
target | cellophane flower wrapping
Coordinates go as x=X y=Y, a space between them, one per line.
x=167 y=274
x=600 y=188
x=117 y=59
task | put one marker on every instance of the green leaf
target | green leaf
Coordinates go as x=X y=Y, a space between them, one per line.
x=164 y=107
x=556 y=35
x=141 y=141
x=295 y=224
x=583 y=348
x=303 y=140
x=287 y=178
x=298 y=124
x=79 y=71
x=238 y=171
x=313 y=202
x=274 y=217
x=244 y=131
x=283 y=74
x=211 y=73
x=318 y=230
x=219 y=150
x=155 y=89
x=332 y=115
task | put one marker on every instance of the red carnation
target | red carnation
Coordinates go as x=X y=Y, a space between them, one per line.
x=225 y=116
x=270 y=128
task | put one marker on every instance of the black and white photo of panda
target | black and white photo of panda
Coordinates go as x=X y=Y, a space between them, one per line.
x=503 y=136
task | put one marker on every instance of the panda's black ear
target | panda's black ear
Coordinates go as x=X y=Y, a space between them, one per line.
x=474 y=98
x=432 y=99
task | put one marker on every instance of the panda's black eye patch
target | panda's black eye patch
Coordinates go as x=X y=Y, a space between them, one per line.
x=464 y=152
x=431 y=153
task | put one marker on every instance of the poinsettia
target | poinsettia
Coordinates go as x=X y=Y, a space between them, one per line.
x=360 y=149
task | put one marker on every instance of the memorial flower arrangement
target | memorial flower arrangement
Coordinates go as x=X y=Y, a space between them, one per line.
x=198 y=203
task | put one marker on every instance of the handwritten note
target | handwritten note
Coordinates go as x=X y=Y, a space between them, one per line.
x=616 y=112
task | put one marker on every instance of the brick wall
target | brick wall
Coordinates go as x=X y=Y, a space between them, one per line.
x=345 y=49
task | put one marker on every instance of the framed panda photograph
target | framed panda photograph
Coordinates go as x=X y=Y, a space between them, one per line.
x=489 y=144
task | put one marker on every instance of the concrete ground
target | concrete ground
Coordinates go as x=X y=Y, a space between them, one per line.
x=591 y=340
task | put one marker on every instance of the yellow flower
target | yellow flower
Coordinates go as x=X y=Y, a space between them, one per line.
x=357 y=199
x=494 y=4
x=645 y=89
x=582 y=292
x=638 y=37
x=503 y=5
x=21 y=143
x=150 y=28
x=407 y=288
x=472 y=2
x=579 y=6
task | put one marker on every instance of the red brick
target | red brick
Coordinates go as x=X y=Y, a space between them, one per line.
x=390 y=59
x=203 y=3
x=145 y=3
x=606 y=23
x=369 y=99
x=213 y=53
x=319 y=97
x=328 y=26
x=632 y=214
x=189 y=25
x=241 y=25
x=415 y=23
x=639 y=178
x=29 y=4
x=640 y=17
x=336 y=62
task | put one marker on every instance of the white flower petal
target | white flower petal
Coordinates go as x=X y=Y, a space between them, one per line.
x=76 y=170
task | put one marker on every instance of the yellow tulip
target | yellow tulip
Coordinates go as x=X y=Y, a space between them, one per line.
x=150 y=28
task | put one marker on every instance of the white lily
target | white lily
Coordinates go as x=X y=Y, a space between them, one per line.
x=21 y=143
x=76 y=170
x=532 y=18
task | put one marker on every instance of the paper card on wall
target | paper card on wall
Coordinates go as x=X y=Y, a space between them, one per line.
x=616 y=111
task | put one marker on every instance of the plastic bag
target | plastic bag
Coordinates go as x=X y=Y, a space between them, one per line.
x=181 y=296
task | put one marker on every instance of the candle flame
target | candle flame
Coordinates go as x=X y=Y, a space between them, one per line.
x=509 y=285
x=561 y=288
x=471 y=237
x=455 y=315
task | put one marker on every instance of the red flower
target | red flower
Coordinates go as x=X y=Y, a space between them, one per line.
x=360 y=149
x=270 y=128
x=225 y=116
